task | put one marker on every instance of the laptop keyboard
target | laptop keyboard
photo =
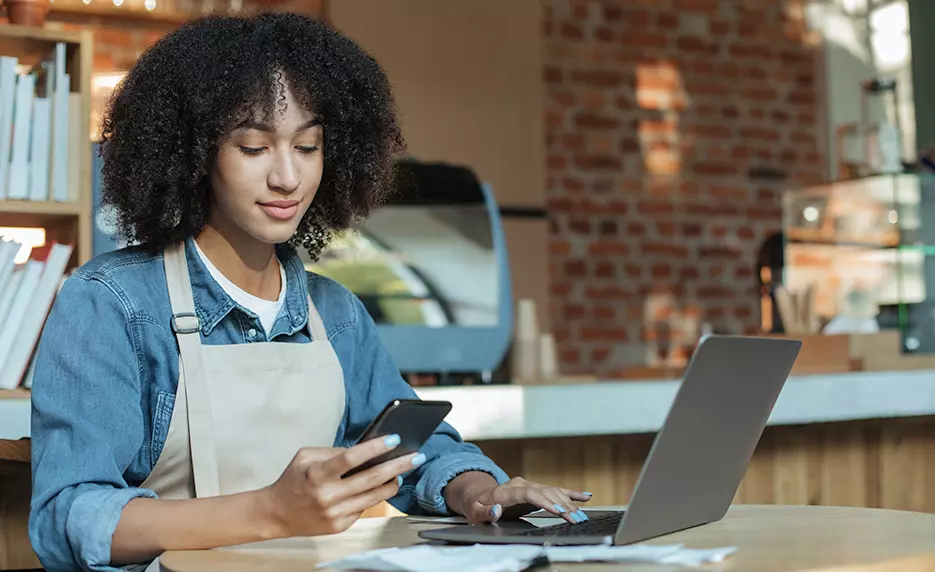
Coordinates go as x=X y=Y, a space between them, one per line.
x=604 y=525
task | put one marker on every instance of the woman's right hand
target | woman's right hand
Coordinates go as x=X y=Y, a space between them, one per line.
x=310 y=498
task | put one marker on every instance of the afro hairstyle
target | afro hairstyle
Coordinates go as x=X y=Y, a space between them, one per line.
x=164 y=122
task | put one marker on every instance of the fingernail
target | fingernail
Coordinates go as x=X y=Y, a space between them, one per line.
x=391 y=440
x=495 y=511
x=582 y=516
x=418 y=460
x=399 y=481
x=558 y=508
x=587 y=494
x=575 y=517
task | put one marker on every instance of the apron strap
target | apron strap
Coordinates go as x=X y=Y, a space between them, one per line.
x=315 y=326
x=187 y=330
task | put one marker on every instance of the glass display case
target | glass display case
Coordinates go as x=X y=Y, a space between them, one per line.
x=860 y=256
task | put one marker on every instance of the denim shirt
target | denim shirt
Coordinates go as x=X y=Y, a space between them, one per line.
x=105 y=380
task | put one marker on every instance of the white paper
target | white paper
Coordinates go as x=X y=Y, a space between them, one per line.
x=516 y=558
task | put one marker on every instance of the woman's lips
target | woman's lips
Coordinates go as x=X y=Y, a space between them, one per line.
x=280 y=210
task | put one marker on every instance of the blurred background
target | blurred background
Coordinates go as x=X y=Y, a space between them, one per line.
x=591 y=187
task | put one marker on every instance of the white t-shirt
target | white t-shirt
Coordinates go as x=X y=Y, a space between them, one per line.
x=266 y=310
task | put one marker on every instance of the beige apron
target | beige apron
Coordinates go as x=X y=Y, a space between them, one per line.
x=242 y=411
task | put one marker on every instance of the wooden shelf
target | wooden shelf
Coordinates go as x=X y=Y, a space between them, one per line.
x=14 y=394
x=46 y=208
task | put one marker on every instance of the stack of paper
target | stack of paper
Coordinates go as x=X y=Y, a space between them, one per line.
x=516 y=558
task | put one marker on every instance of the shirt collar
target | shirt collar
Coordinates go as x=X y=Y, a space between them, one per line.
x=212 y=303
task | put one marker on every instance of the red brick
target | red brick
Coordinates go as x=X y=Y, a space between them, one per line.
x=604 y=313
x=560 y=289
x=597 y=162
x=716 y=131
x=613 y=292
x=608 y=248
x=655 y=208
x=592 y=120
x=580 y=11
x=604 y=269
x=579 y=226
x=574 y=312
x=601 y=79
x=761 y=94
x=556 y=162
x=570 y=31
x=720 y=252
x=661 y=271
x=691 y=229
x=644 y=40
x=613 y=13
x=667 y=20
x=714 y=169
x=715 y=292
x=719 y=27
x=575 y=269
x=754 y=51
x=636 y=229
x=605 y=35
x=704 y=6
x=689 y=273
x=603 y=333
x=662 y=249
x=559 y=248
x=633 y=270
x=569 y=356
x=759 y=133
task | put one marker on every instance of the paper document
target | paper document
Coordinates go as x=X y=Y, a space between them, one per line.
x=517 y=558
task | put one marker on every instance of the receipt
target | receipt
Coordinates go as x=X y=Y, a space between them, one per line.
x=516 y=558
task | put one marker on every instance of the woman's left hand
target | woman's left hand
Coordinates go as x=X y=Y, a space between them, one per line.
x=519 y=497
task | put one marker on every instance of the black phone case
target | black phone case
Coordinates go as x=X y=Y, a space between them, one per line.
x=414 y=420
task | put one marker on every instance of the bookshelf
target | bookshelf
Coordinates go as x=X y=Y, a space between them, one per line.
x=68 y=220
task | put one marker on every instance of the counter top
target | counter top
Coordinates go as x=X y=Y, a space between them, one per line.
x=626 y=407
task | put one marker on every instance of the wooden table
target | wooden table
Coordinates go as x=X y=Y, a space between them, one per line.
x=769 y=538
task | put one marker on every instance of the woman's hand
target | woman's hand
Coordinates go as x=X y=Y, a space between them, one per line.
x=311 y=498
x=478 y=497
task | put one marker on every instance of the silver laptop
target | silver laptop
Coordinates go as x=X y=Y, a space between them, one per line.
x=698 y=457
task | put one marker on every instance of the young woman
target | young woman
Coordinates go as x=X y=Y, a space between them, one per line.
x=199 y=389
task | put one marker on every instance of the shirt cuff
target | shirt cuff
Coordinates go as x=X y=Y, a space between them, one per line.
x=441 y=470
x=92 y=520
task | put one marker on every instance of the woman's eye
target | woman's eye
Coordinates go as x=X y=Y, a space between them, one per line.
x=307 y=149
x=251 y=150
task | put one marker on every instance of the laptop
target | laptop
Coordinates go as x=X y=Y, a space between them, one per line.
x=696 y=462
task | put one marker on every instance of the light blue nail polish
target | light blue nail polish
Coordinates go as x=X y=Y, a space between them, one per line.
x=391 y=440
x=399 y=481
x=575 y=517
x=581 y=515
x=495 y=511
x=418 y=460
x=558 y=508
x=588 y=494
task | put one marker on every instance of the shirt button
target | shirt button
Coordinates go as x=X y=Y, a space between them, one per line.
x=297 y=320
x=251 y=333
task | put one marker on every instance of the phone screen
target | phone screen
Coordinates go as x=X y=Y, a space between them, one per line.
x=414 y=420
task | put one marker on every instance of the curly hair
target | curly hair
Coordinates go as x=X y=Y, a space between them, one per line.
x=165 y=120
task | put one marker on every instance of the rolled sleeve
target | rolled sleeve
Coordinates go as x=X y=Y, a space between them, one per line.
x=91 y=523
x=442 y=469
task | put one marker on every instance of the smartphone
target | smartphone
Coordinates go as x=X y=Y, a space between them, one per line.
x=414 y=420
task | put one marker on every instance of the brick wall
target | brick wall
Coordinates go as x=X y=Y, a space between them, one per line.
x=671 y=128
x=118 y=42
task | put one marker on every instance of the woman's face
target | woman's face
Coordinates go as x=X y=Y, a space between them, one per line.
x=266 y=175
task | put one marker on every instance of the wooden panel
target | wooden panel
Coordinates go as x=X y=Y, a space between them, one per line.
x=880 y=464
x=15 y=551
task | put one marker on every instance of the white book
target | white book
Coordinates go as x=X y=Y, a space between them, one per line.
x=18 y=187
x=33 y=319
x=39 y=154
x=8 y=250
x=32 y=272
x=7 y=97
x=27 y=379
x=77 y=138
x=9 y=293
x=58 y=185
